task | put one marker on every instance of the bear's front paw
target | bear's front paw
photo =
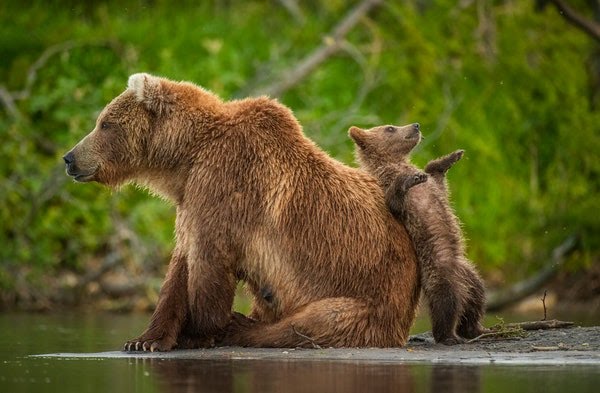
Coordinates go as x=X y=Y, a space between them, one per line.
x=146 y=343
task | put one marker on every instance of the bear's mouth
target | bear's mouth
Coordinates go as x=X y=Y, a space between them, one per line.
x=82 y=177
x=415 y=135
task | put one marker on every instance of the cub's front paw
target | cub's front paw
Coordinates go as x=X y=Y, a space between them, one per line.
x=413 y=180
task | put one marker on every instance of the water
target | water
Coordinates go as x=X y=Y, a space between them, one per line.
x=25 y=334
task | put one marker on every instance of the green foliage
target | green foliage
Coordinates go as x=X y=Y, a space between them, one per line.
x=508 y=85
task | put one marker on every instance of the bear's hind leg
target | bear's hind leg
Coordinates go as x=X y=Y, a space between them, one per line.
x=331 y=322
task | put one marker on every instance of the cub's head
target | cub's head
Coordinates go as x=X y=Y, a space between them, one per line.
x=385 y=144
x=140 y=133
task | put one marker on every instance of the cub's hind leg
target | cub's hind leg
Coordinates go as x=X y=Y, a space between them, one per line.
x=470 y=325
x=444 y=319
x=445 y=300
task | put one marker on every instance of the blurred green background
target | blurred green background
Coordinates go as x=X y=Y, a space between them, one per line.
x=517 y=88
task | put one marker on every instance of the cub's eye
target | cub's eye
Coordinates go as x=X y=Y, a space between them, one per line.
x=104 y=125
x=390 y=129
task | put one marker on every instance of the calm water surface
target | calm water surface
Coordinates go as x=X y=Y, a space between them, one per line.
x=25 y=334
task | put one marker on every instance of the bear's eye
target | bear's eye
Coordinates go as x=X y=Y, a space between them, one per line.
x=390 y=129
x=104 y=125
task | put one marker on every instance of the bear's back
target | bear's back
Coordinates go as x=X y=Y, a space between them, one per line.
x=297 y=211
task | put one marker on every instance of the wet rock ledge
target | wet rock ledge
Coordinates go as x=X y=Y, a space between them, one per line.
x=576 y=345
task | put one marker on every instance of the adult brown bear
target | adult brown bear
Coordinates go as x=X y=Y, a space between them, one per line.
x=256 y=201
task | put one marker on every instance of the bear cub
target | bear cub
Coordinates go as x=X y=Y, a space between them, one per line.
x=453 y=288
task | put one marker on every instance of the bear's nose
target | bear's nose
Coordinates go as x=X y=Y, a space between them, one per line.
x=69 y=158
x=416 y=126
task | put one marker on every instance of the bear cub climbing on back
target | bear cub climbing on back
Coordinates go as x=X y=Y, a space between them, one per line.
x=453 y=288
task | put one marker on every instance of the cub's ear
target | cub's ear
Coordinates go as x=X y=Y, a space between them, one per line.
x=150 y=91
x=358 y=136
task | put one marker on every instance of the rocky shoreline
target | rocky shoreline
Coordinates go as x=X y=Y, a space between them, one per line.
x=576 y=346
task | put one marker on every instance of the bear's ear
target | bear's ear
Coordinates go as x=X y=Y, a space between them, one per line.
x=358 y=136
x=150 y=91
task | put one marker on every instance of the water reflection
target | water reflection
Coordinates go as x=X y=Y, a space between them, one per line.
x=453 y=378
x=25 y=334
x=299 y=376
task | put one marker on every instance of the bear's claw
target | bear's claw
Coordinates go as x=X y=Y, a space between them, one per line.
x=411 y=181
x=149 y=345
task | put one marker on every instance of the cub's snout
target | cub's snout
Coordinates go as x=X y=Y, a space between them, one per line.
x=413 y=131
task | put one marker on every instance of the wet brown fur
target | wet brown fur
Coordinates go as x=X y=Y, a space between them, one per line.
x=452 y=286
x=256 y=201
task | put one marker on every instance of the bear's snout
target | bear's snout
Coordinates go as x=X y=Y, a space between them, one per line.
x=69 y=158
x=73 y=170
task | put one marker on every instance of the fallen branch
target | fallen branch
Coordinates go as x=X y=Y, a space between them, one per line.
x=292 y=7
x=9 y=103
x=8 y=98
x=558 y=347
x=504 y=333
x=588 y=26
x=518 y=329
x=309 y=339
x=332 y=44
x=39 y=63
x=541 y=325
x=122 y=239
x=544 y=304
x=119 y=290
x=110 y=261
x=499 y=299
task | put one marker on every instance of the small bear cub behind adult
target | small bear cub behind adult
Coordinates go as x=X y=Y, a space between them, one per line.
x=453 y=288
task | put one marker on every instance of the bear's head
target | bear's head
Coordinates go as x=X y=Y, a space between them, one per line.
x=142 y=133
x=385 y=143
